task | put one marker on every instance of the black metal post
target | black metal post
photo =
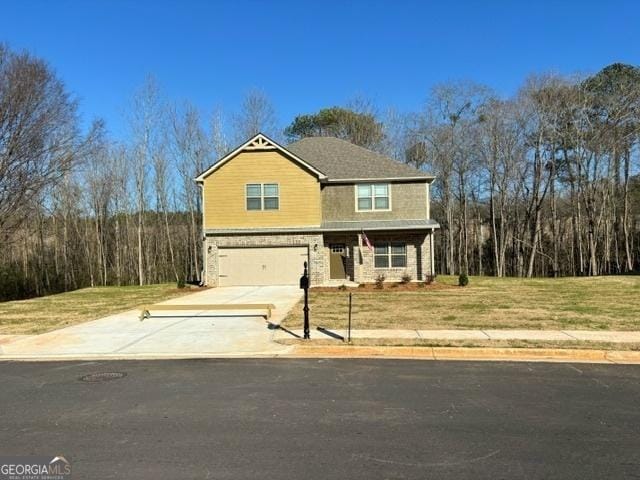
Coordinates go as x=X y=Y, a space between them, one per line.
x=349 y=332
x=304 y=284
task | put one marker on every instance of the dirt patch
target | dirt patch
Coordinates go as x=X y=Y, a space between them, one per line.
x=389 y=287
x=186 y=290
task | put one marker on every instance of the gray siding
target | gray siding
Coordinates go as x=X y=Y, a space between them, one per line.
x=408 y=201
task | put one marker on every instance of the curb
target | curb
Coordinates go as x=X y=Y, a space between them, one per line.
x=139 y=356
x=471 y=353
x=378 y=352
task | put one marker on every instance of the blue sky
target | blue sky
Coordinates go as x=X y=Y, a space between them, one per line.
x=308 y=55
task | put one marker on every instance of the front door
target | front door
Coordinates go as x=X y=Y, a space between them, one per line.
x=338 y=260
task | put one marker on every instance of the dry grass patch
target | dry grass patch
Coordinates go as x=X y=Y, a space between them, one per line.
x=394 y=342
x=586 y=303
x=38 y=315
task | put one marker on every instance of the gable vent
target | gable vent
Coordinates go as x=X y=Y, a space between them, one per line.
x=260 y=143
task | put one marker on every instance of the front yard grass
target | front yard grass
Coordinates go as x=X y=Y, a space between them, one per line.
x=585 y=303
x=38 y=315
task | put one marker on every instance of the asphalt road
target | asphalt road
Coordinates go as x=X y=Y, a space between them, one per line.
x=321 y=419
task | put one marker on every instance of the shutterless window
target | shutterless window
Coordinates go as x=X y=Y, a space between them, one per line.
x=392 y=255
x=263 y=196
x=270 y=196
x=373 y=196
x=254 y=196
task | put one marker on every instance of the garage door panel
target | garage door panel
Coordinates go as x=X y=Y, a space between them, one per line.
x=261 y=266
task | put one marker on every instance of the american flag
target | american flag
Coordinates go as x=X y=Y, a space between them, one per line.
x=366 y=240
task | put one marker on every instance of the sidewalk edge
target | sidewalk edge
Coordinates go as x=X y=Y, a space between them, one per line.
x=470 y=353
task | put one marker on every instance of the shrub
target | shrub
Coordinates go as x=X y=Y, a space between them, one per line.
x=406 y=278
x=380 y=281
x=181 y=283
x=422 y=284
x=342 y=287
x=463 y=280
x=429 y=279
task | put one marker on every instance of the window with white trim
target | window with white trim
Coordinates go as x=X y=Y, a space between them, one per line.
x=390 y=255
x=263 y=196
x=372 y=196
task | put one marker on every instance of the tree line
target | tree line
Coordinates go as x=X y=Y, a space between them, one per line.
x=542 y=183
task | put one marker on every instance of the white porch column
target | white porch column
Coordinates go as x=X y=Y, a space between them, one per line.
x=357 y=261
x=432 y=255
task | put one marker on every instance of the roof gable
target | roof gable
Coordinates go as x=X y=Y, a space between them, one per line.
x=260 y=142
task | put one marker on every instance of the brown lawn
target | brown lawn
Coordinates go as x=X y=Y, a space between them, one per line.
x=38 y=315
x=604 y=303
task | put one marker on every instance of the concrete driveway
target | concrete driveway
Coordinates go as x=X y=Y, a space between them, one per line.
x=169 y=334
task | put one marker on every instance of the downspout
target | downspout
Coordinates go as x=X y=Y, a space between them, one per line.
x=428 y=201
x=431 y=253
x=433 y=261
x=203 y=279
x=357 y=270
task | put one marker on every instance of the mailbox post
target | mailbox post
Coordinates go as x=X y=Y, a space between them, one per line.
x=304 y=285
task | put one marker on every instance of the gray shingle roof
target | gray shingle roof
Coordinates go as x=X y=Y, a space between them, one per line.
x=356 y=225
x=342 y=160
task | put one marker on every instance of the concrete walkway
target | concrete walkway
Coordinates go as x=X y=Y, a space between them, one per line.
x=534 y=335
x=168 y=334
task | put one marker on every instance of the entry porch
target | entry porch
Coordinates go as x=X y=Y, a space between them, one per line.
x=394 y=254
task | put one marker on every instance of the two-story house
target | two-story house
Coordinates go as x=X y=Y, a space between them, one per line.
x=351 y=213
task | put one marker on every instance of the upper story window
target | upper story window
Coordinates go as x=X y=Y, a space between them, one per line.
x=263 y=196
x=373 y=196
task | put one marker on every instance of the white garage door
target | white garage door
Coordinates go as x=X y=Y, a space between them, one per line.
x=261 y=266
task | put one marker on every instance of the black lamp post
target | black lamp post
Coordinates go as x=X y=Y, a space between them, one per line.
x=304 y=284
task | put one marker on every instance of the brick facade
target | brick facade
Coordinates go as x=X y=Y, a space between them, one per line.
x=359 y=259
x=314 y=242
x=418 y=258
x=360 y=266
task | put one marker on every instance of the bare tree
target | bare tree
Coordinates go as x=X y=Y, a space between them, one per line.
x=256 y=115
x=99 y=178
x=219 y=143
x=39 y=138
x=145 y=112
x=194 y=152
x=448 y=125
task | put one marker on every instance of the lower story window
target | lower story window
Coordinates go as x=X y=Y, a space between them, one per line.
x=390 y=255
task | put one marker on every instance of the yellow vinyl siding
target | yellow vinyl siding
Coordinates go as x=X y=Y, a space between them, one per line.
x=225 y=201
